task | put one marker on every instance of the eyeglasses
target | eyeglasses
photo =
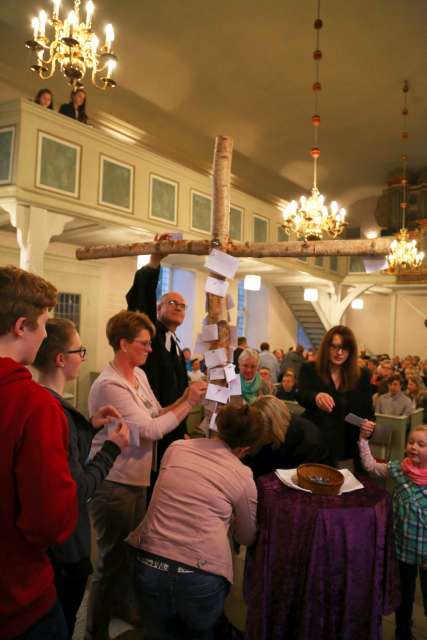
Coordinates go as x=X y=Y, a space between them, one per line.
x=144 y=343
x=338 y=348
x=180 y=306
x=82 y=351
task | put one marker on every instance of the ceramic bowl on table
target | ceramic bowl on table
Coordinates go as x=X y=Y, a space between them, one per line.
x=320 y=479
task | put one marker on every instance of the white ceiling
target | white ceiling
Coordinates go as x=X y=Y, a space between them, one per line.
x=190 y=70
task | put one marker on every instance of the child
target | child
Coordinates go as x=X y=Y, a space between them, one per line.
x=410 y=518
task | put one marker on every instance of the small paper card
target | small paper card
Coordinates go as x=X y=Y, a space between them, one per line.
x=229 y=301
x=233 y=335
x=230 y=372
x=212 y=422
x=134 y=431
x=217 y=393
x=215 y=358
x=209 y=332
x=176 y=236
x=217 y=373
x=353 y=419
x=217 y=287
x=235 y=387
x=222 y=263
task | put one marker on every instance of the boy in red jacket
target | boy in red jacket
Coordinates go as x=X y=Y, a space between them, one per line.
x=38 y=505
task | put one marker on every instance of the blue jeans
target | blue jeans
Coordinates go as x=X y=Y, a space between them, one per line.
x=179 y=606
x=51 y=627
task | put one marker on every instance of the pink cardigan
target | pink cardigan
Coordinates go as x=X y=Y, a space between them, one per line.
x=203 y=489
x=133 y=465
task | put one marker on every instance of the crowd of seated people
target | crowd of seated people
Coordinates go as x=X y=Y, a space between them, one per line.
x=163 y=515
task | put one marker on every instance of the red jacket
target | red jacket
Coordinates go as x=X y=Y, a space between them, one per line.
x=38 y=505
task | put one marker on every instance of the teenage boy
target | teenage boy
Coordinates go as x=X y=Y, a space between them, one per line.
x=38 y=505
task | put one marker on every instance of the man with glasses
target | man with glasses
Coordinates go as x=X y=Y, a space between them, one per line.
x=165 y=366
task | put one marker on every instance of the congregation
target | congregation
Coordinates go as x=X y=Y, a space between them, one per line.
x=168 y=509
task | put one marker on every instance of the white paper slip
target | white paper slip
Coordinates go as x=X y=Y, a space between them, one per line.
x=235 y=387
x=353 y=419
x=217 y=393
x=209 y=332
x=215 y=358
x=134 y=432
x=217 y=287
x=212 y=422
x=222 y=263
x=217 y=373
x=289 y=478
x=230 y=372
x=229 y=301
x=176 y=236
x=233 y=335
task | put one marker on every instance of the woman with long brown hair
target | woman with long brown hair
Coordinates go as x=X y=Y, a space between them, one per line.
x=334 y=386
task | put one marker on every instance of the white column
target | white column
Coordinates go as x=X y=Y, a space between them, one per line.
x=34 y=229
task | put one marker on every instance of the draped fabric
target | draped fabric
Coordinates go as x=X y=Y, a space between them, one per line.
x=322 y=568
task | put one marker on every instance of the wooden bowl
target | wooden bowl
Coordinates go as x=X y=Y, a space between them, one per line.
x=320 y=479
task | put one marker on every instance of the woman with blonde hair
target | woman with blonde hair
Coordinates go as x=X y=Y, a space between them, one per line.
x=289 y=440
x=251 y=382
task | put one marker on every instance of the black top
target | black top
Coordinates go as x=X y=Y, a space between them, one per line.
x=303 y=443
x=166 y=370
x=341 y=437
x=286 y=395
x=88 y=477
x=67 y=109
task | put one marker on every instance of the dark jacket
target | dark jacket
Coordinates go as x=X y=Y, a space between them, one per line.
x=166 y=370
x=67 y=109
x=286 y=395
x=303 y=443
x=341 y=437
x=88 y=477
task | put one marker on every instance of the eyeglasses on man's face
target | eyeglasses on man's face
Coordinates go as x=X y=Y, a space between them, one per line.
x=82 y=351
x=338 y=348
x=174 y=304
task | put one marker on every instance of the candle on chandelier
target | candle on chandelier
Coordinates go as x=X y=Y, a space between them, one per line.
x=56 y=5
x=35 y=26
x=90 y=8
x=42 y=22
x=111 y=65
x=109 y=36
x=94 y=44
x=72 y=21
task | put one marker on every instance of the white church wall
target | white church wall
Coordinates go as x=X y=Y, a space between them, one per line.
x=269 y=319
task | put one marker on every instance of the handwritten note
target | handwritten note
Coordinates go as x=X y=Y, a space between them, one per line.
x=217 y=287
x=235 y=387
x=209 y=332
x=230 y=372
x=217 y=373
x=222 y=263
x=215 y=358
x=217 y=393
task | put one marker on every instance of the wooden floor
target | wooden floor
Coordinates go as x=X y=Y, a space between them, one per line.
x=236 y=612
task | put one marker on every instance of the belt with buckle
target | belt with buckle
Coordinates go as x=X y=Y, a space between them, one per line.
x=163 y=564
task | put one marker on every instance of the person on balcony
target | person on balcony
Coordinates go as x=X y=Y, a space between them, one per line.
x=76 y=108
x=44 y=98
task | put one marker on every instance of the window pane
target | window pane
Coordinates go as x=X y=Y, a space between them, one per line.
x=201 y=212
x=68 y=307
x=260 y=230
x=282 y=236
x=235 y=224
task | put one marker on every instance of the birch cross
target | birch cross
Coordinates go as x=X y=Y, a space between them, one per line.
x=217 y=313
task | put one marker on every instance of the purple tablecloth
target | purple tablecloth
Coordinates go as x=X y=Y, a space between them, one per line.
x=322 y=567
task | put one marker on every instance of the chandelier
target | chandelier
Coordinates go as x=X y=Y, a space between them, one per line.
x=310 y=218
x=74 y=47
x=404 y=254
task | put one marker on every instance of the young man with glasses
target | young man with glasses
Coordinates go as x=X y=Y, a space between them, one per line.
x=165 y=366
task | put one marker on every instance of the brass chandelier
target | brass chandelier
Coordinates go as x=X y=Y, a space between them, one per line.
x=404 y=254
x=74 y=47
x=310 y=218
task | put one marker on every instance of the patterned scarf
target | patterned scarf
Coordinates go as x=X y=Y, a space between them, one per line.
x=250 y=388
x=416 y=474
